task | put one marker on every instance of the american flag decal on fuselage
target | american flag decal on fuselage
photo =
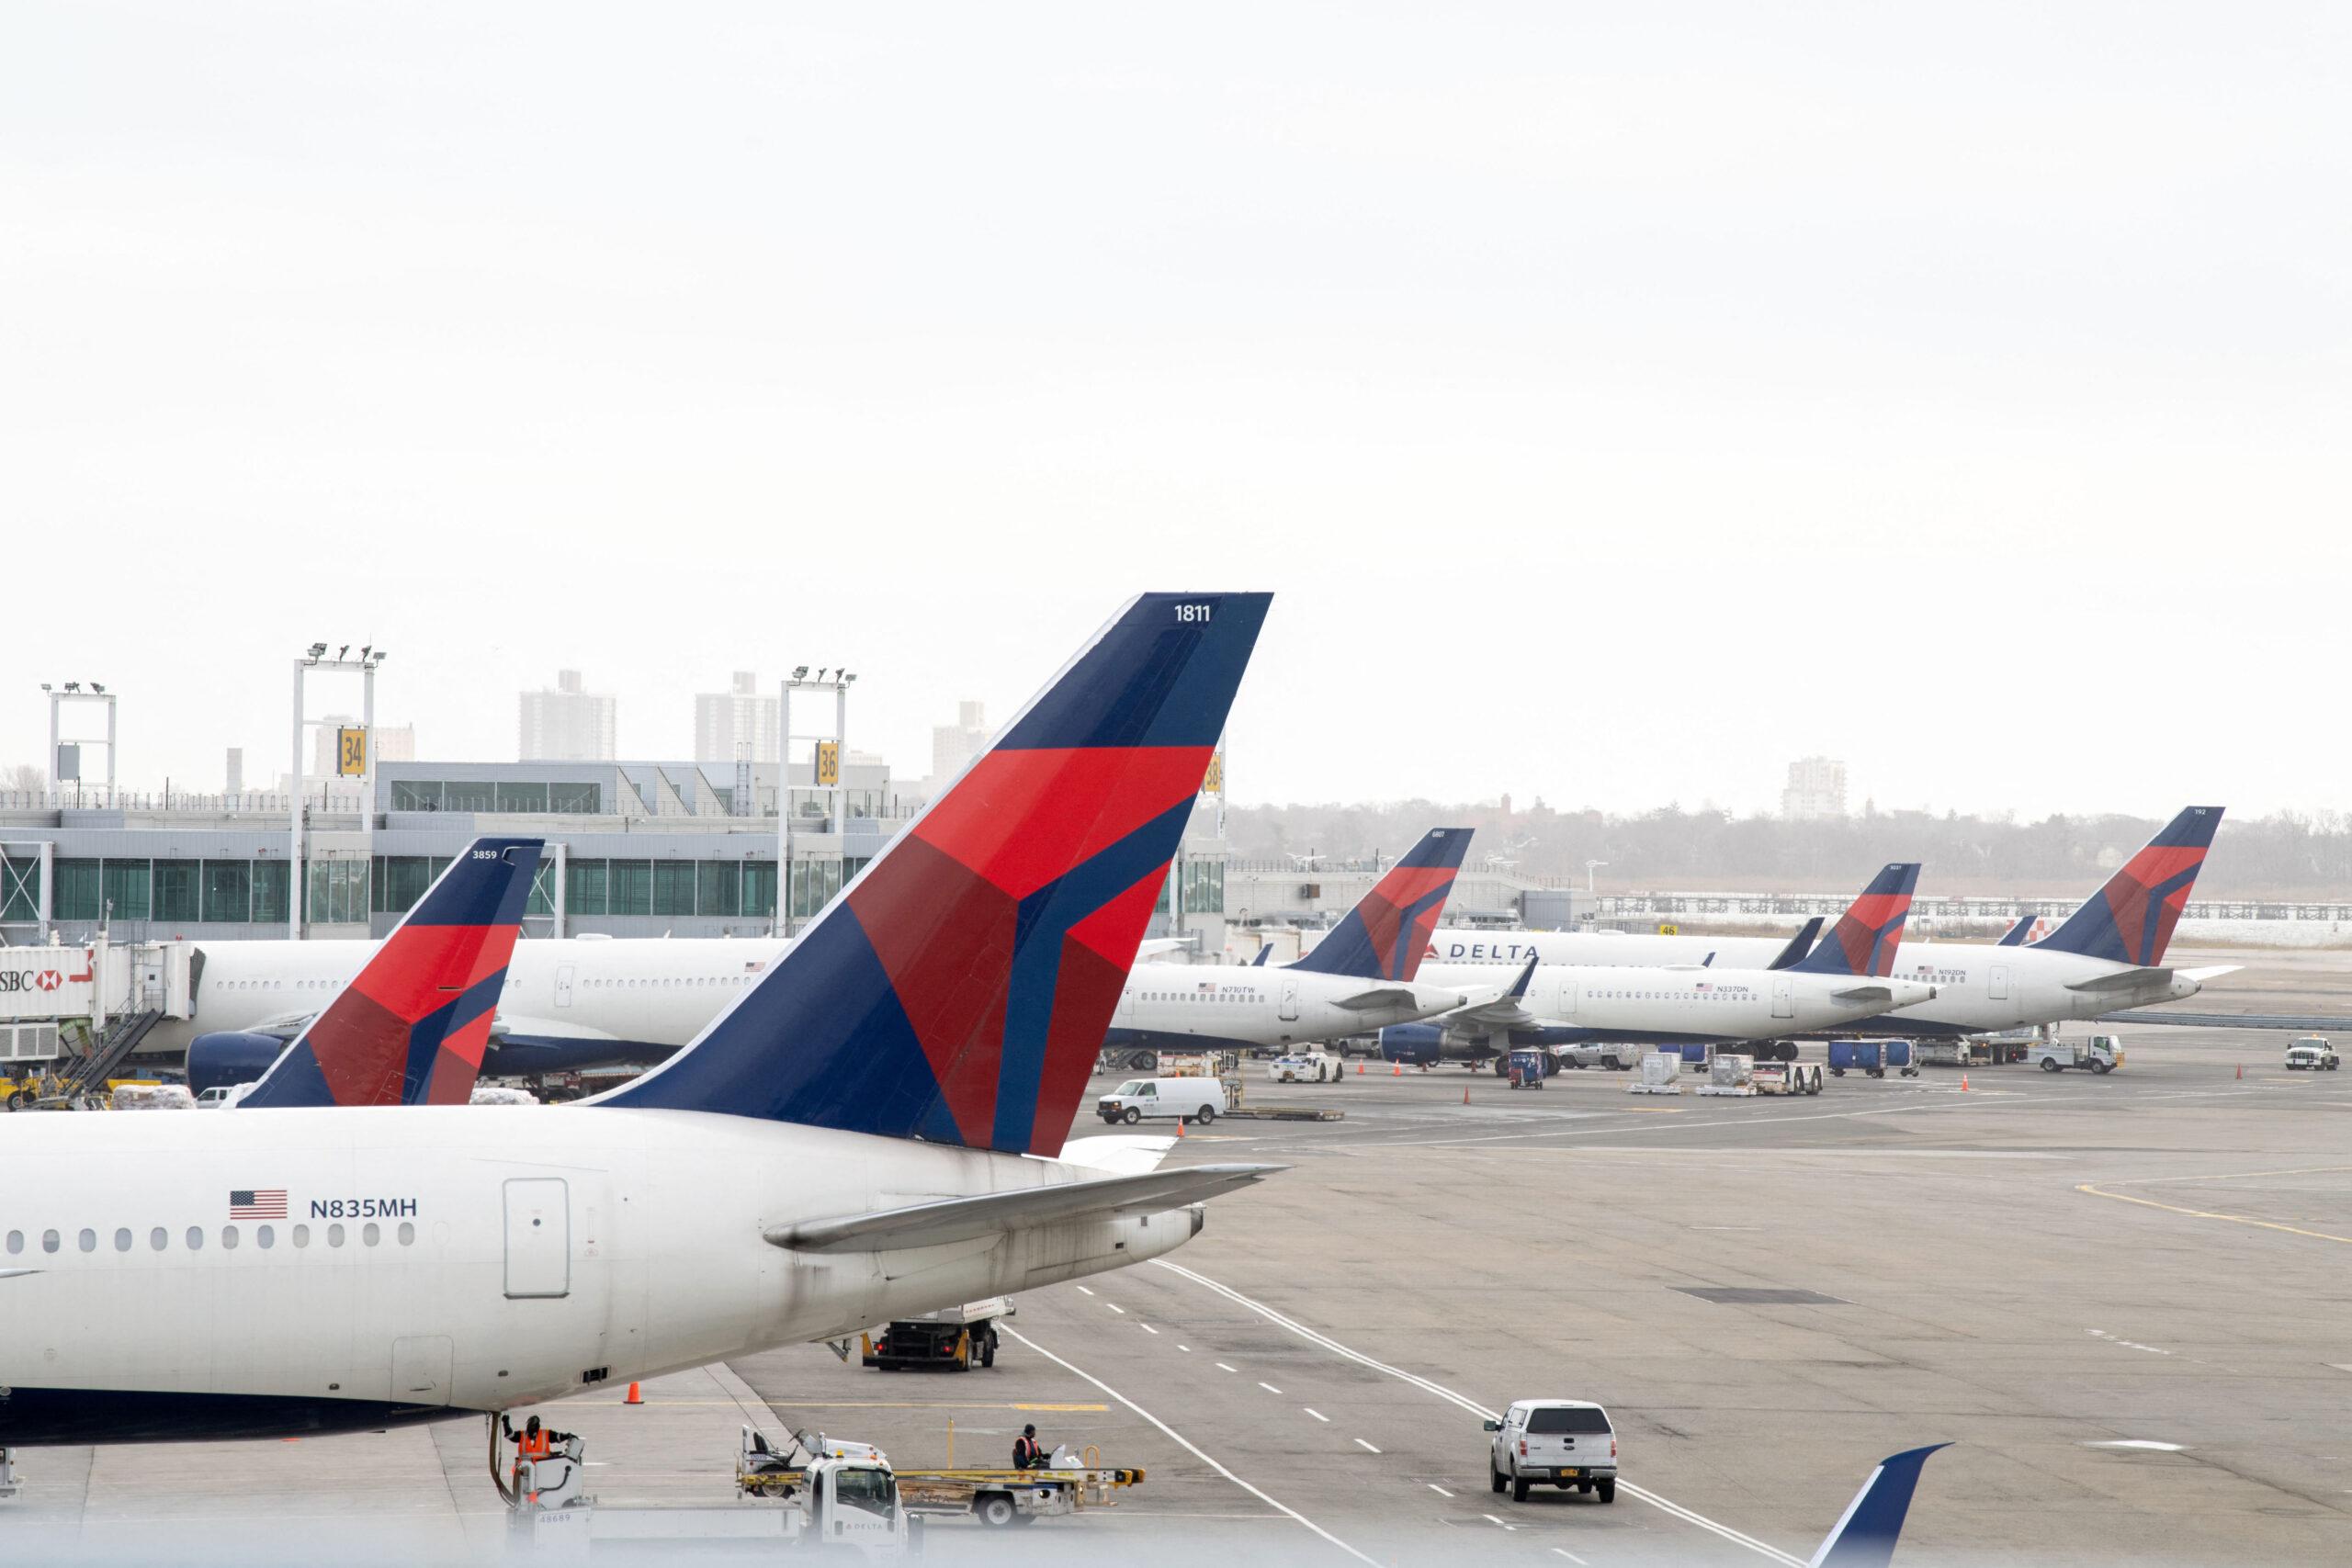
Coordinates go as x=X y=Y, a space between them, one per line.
x=257 y=1203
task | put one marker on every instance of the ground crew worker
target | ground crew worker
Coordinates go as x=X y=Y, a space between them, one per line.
x=1027 y=1454
x=531 y=1442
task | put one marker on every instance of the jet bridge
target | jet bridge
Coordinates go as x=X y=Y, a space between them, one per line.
x=51 y=996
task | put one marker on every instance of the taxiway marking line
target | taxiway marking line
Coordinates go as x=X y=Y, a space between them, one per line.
x=1465 y=1402
x=2096 y=1191
x=1186 y=1444
x=1572 y=1557
x=1317 y=1414
x=1440 y=1490
x=1269 y=1388
x=1365 y=1446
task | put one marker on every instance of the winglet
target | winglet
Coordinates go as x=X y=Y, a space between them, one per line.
x=1872 y=1523
x=1864 y=939
x=2130 y=920
x=412 y=1026
x=1265 y=951
x=2015 y=936
x=958 y=989
x=1799 y=944
x=1383 y=937
x=1519 y=986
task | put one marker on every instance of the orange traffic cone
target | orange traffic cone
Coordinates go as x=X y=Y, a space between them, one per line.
x=1399 y=1072
x=1963 y=1083
x=1358 y=1070
x=1465 y=1094
x=635 y=1396
x=2241 y=1072
x=1179 y=1126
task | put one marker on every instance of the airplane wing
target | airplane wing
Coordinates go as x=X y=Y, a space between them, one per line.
x=961 y=1219
x=1153 y=946
x=1866 y=1536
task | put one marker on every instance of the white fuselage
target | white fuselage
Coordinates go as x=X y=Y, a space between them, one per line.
x=1268 y=1007
x=1979 y=988
x=476 y=1257
x=1698 y=1003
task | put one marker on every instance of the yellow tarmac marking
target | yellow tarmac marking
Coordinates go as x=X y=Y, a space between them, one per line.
x=2097 y=1191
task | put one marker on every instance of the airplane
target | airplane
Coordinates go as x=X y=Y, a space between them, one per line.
x=411 y=1028
x=1866 y=1533
x=1845 y=977
x=2107 y=957
x=1357 y=980
x=876 y=1129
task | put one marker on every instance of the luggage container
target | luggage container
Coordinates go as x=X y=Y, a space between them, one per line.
x=1873 y=1058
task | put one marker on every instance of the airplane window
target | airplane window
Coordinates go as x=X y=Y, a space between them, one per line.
x=159 y=1238
x=122 y=1240
x=408 y=1233
x=302 y=1236
x=196 y=1239
x=48 y=1241
x=265 y=1238
x=89 y=1239
x=334 y=1235
x=228 y=1236
x=15 y=1241
x=370 y=1235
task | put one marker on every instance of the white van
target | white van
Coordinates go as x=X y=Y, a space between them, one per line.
x=1187 y=1099
x=1563 y=1442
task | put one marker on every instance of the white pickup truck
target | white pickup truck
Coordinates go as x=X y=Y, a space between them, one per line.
x=2312 y=1052
x=2099 y=1053
x=1555 y=1442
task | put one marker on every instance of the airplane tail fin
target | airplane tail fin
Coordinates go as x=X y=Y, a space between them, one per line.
x=959 y=988
x=1799 y=946
x=412 y=1026
x=1873 y=1522
x=1865 y=937
x=2130 y=920
x=1385 y=935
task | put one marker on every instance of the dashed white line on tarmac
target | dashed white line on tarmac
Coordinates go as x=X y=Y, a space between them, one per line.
x=1491 y=1519
x=1186 y=1444
x=1367 y=1446
x=1572 y=1557
x=1084 y=1292
x=1116 y=1307
x=1147 y=1329
x=1269 y=1388
x=1186 y=1348
x=1317 y=1414
x=1440 y=1490
x=1662 y=1503
x=1223 y=1368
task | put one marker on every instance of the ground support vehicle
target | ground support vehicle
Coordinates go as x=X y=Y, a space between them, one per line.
x=995 y=1496
x=1190 y=1100
x=1616 y=1058
x=841 y=1503
x=1952 y=1053
x=2313 y=1052
x=1873 y=1058
x=1554 y=1443
x=1305 y=1066
x=1528 y=1066
x=1787 y=1078
x=10 y=1482
x=953 y=1339
x=1730 y=1075
x=2100 y=1054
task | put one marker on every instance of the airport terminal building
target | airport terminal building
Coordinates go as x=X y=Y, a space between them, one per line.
x=634 y=849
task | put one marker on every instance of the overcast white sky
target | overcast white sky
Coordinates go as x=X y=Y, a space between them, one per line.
x=1621 y=400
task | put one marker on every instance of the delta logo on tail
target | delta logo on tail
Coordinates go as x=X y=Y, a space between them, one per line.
x=2131 y=919
x=1864 y=940
x=412 y=1026
x=1386 y=936
x=959 y=989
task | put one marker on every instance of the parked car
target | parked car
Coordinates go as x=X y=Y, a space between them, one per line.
x=1305 y=1066
x=2313 y=1052
x=1186 y=1099
x=1556 y=1442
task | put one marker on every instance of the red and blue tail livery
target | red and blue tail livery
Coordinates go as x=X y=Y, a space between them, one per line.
x=1385 y=935
x=412 y=1026
x=959 y=989
x=1864 y=940
x=2130 y=920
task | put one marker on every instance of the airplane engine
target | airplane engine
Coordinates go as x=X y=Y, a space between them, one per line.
x=230 y=1056
x=1418 y=1044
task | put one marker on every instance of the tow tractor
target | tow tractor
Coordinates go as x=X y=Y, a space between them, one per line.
x=1068 y=1482
x=1530 y=1067
x=955 y=1339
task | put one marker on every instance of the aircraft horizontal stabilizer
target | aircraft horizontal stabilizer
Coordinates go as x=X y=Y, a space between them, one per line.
x=1377 y=997
x=1117 y=1153
x=961 y=1219
x=2210 y=972
x=1864 y=994
x=2124 y=980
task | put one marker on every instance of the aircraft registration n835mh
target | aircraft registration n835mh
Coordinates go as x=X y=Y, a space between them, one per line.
x=873 y=1130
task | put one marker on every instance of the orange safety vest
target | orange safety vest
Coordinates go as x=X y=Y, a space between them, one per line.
x=533 y=1448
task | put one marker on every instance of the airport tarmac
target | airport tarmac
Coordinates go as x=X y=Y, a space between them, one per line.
x=2122 y=1298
